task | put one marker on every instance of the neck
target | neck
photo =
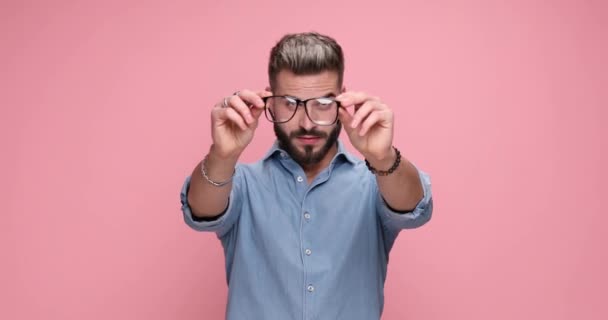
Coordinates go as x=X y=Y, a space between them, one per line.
x=314 y=169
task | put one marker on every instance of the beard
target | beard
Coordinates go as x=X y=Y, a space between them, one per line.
x=307 y=157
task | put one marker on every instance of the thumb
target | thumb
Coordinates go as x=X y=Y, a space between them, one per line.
x=255 y=111
x=346 y=118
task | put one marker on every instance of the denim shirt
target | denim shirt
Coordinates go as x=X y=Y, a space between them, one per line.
x=295 y=250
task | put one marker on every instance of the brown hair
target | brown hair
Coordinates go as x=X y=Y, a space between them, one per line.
x=305 y=54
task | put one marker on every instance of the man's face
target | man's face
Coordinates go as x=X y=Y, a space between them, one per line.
x=306 y=142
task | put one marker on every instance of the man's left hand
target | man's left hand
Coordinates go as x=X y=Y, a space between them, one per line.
x=370 y=127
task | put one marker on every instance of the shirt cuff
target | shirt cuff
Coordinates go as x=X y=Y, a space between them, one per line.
x=218 y=224
x=409 y=219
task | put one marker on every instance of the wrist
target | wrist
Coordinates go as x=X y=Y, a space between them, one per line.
x=381 y=168
x=384 y=160
x=216 y=154
x=206 y=175
x=219 y=166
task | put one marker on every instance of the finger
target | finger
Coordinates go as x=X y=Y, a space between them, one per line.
x=264 y=93
x=362 y=112
x=235 y=102
x=233 y=116
x=348 y=99
x=373 y=119
x=251 y=98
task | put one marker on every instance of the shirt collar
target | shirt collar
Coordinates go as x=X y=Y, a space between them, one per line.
x=342 y=153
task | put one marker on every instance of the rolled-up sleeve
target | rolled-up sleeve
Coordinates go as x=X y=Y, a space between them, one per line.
x=224 y=222
x=408 y=220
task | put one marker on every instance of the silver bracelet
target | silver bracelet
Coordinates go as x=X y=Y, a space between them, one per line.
x=214 y=183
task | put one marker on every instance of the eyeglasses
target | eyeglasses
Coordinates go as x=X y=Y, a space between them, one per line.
x=321 y=111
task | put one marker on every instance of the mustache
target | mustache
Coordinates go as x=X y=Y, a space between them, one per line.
x=304 y=132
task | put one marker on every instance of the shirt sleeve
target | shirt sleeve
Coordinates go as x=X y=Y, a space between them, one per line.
x=396 y=220
x=226 y=220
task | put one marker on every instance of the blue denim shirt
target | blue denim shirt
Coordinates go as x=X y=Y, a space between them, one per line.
x=300 y=251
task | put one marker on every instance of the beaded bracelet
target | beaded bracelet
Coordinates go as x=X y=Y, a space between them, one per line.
x=214 y=183
x=389 y=171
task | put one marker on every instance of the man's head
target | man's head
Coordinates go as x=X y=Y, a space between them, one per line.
x=304 y=66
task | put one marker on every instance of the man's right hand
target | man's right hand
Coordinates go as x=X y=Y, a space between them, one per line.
x=233 y=123
x=234 y=120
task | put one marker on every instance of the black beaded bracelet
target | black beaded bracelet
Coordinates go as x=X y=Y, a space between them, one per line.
x=389 y=171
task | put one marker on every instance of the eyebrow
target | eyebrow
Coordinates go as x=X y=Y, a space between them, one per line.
x=327 y=95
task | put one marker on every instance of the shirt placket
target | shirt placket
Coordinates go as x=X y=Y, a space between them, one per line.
x=307 y=243
x=307 y=219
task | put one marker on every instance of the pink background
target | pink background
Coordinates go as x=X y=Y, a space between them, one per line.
x=105 y=110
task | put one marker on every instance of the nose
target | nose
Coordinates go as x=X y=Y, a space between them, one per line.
x=303 y=119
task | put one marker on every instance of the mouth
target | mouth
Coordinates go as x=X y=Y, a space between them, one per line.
x=308 y=140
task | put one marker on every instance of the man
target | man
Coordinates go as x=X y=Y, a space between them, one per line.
x=306 y=230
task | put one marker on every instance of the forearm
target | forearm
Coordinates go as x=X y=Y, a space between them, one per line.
x=205 y=199
x=402 y=189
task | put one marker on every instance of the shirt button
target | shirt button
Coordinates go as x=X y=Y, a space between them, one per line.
x=310 y=288
x=300 y=179
x=283 y=155
x=308 y=252
x=306 y=215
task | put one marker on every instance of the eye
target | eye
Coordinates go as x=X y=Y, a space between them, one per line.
x=291 y=101
x=324 y=101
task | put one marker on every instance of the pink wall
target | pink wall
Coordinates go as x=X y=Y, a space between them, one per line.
x=105 y=109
